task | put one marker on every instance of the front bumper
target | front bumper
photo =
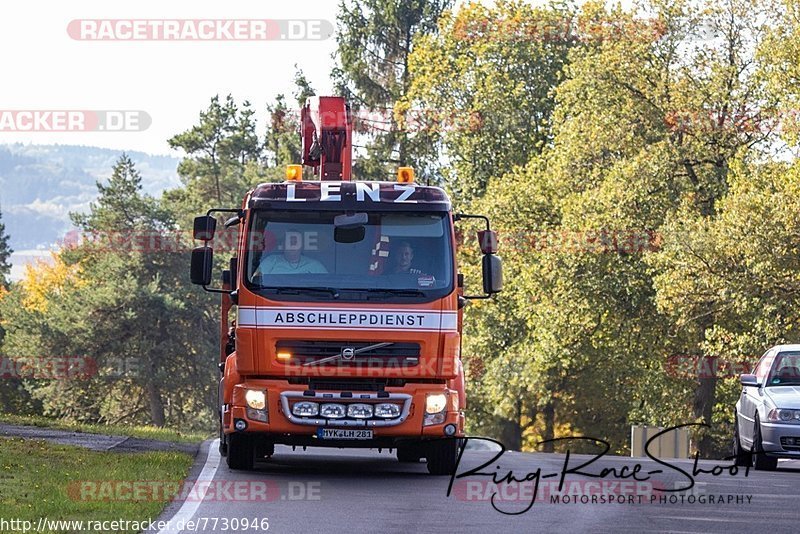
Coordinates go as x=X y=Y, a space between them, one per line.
x=779 y=439
x=282 y=427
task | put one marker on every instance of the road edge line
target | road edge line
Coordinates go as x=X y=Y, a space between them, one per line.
x=199 y=489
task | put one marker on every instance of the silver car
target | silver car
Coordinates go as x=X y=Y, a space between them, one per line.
x=768 y=411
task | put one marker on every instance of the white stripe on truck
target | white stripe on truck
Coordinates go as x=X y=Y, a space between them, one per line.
x=347 y=319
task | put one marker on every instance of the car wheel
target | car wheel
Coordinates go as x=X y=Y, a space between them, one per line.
x=240 y=452
x=741 y=457
x=442 y=456
x=761 y=461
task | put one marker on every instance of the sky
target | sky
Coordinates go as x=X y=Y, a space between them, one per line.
x=166 y=83
x=44 y=68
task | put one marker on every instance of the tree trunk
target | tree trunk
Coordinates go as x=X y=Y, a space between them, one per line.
x=704 y=399
x=156 y=405
x=549 y=427
x=511 y=434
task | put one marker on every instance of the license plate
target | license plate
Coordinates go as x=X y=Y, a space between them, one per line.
x=343 y=433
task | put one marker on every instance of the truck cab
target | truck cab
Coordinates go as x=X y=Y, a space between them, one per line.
x=341 y=319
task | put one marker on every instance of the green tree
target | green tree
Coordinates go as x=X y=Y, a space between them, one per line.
x=282 y=139
x=223 y=154
x=5 y=255
x=745 y=261
x=120 y=300
x=14 y=398
x=481 y=92
x=375 y=39
x=779 y=61
x=646 y=125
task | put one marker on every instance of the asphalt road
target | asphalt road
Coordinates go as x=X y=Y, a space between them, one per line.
x=97 y=442
x=332 y=490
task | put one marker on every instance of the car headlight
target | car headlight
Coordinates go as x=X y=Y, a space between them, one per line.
x=359 y=411
x=305 y=409
x=333 y=411
x=256 y=399
x=435 y=403
x=387 y=410
x=784 y=416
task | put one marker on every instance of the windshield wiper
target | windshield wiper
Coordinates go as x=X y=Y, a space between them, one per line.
x=298 y=290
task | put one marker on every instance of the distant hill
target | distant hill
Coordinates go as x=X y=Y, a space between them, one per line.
x=41 y=184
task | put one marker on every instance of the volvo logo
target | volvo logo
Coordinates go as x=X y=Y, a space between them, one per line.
x=348 y=353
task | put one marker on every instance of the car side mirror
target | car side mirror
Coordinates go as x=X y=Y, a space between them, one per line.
x=492 y=274
x=202 y=261
x=749 y=381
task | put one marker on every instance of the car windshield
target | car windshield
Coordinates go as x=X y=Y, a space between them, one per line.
x=331 y=253
x=785 y=370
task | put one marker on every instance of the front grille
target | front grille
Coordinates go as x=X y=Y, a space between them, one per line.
x=790 y=443
x=392 y=355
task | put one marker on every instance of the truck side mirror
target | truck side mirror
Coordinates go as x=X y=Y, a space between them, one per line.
x=202 y=261
x=492 y=274
x=204 y=227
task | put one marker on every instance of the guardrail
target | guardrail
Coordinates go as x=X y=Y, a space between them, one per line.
x=673 y=444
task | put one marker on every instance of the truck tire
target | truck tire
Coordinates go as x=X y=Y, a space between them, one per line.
x=240 y=452
x=223 y=442
x=409 y=454
x=442 y=456
x=264 y=449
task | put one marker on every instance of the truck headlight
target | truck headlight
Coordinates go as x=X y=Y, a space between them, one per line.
x=435 y=403
x=333 y=411
x=256 y=399
x=387 y=410
x=305 y=409
x=359 y=411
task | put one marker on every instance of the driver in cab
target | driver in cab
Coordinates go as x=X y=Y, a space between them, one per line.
x=291 y=261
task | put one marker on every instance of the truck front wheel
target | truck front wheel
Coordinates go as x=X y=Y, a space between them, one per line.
x=442 y=456
x=240 y=452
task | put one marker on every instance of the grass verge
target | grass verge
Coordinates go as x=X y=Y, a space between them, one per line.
x=57 y=482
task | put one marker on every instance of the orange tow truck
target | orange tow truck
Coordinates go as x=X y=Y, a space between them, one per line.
x=341 y=311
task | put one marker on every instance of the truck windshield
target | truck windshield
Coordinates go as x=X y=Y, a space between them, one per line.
x=393 y=254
